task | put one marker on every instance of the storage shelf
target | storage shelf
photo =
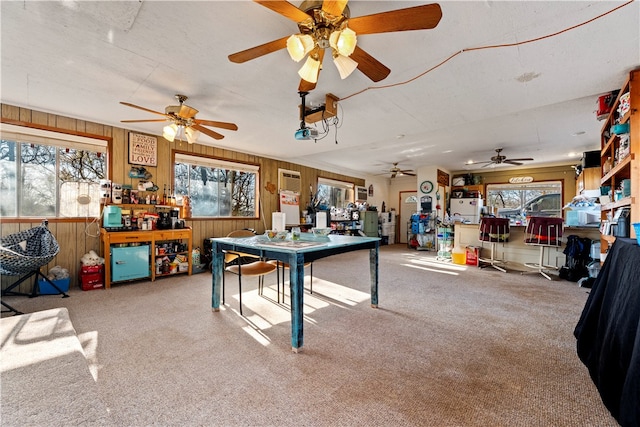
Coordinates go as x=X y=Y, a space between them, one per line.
x=627 y=201
x=617 y=168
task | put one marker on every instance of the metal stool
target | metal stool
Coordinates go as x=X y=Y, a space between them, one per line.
x=494 y=231
x=544 y=232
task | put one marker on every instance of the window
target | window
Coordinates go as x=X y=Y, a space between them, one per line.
x=335 y=193
x=216 y=188
x=518 y=201
x=43 y=173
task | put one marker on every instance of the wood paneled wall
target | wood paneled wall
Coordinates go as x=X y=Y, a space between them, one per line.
x=77 y=237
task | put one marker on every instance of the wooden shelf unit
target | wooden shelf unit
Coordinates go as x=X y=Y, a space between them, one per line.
x=627 y=167
x=153 y=237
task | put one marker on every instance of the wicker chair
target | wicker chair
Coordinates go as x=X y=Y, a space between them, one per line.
x=22 y=254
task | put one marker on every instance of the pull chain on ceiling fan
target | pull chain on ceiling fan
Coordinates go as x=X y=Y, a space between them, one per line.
x=183 y=121
x=327 y=24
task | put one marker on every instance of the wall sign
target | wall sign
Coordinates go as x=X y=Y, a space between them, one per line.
x=443 y=178
x=143 y=149
x=520 y=179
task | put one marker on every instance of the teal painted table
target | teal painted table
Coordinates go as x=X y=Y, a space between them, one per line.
x=296 y=254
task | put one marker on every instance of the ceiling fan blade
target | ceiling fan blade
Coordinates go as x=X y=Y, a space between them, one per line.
x=519 y=160
x=487 y=164
x=212 y=134
x=223 y=125
x=285 y=9
x=143 y=121
x=408 y=172
x=412 y=18
x=306 y=86
x=142 y=108
x=334 y=7
x=258 y=51
x=512 y=162
x=369 y=66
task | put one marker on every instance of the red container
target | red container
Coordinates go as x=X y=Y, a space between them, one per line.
x=88 y=269
x=89 y=282
x=473 y=252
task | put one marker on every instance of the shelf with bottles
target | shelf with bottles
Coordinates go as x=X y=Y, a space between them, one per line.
x=171 y=257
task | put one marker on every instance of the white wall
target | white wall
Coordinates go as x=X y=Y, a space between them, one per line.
x=380 y=191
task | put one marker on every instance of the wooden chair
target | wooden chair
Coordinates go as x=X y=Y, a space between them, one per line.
x=255 y=268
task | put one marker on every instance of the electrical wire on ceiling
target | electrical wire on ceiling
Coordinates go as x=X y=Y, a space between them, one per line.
x=489 y=47
x=328 y=122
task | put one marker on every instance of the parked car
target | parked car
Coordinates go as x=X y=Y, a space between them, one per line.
x=545 y=205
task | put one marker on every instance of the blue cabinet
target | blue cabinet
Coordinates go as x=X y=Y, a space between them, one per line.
x=128 y=263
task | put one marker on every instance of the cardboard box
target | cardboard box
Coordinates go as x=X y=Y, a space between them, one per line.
x=46 y=288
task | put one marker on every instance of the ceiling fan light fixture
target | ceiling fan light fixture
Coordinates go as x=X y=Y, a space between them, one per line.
x=192 y=135
x=345 y=65
x=343 y=41
x=310 y=69
x=298 y=45
x=169 y=132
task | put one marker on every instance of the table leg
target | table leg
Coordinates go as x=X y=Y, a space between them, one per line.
x=296 y=280
x=217 y=267
x=373 y=273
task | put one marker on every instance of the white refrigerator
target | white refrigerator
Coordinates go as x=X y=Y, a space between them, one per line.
x=468 y=209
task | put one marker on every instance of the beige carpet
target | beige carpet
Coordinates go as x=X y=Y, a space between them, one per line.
x=449 y=346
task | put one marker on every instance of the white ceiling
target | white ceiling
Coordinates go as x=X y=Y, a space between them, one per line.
x=80 y=58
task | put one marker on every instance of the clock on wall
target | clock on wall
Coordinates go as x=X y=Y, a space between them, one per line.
x=426 y=187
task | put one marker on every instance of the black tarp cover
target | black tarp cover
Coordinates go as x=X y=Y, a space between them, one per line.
x=608 y=334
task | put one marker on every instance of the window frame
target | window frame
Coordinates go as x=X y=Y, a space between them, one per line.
x=29 y=133
x=222 y=163
x=530 y=186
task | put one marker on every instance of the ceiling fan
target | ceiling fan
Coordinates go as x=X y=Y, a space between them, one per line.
x=499 y=159
x=327 y=24
x=395 y=171
x=183 y=119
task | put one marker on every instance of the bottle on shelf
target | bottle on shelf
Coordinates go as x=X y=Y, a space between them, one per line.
x=164 y=195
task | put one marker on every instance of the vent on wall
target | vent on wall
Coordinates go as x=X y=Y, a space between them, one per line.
x=289 y=180
x=361 y=194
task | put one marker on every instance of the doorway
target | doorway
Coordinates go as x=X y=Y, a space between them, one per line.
x=407 y=207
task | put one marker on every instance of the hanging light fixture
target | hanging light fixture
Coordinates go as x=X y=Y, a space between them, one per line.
x=310 y=70
x=344 y=41
x=192 y=135
x=169 y=132
x=298 y=45
x=344 y=64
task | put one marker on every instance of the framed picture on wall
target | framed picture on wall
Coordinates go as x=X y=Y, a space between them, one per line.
x=143 y=149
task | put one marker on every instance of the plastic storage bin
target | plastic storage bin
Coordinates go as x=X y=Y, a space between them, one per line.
x=46 y=288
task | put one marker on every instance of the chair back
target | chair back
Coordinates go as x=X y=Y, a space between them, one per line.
x=494 y=229
x=241 y=233
x=544 y=231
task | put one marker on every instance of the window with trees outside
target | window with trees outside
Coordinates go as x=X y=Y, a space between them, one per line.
x=217 y=188
x=335 y=193
x=47 y=174
x=519 y=201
